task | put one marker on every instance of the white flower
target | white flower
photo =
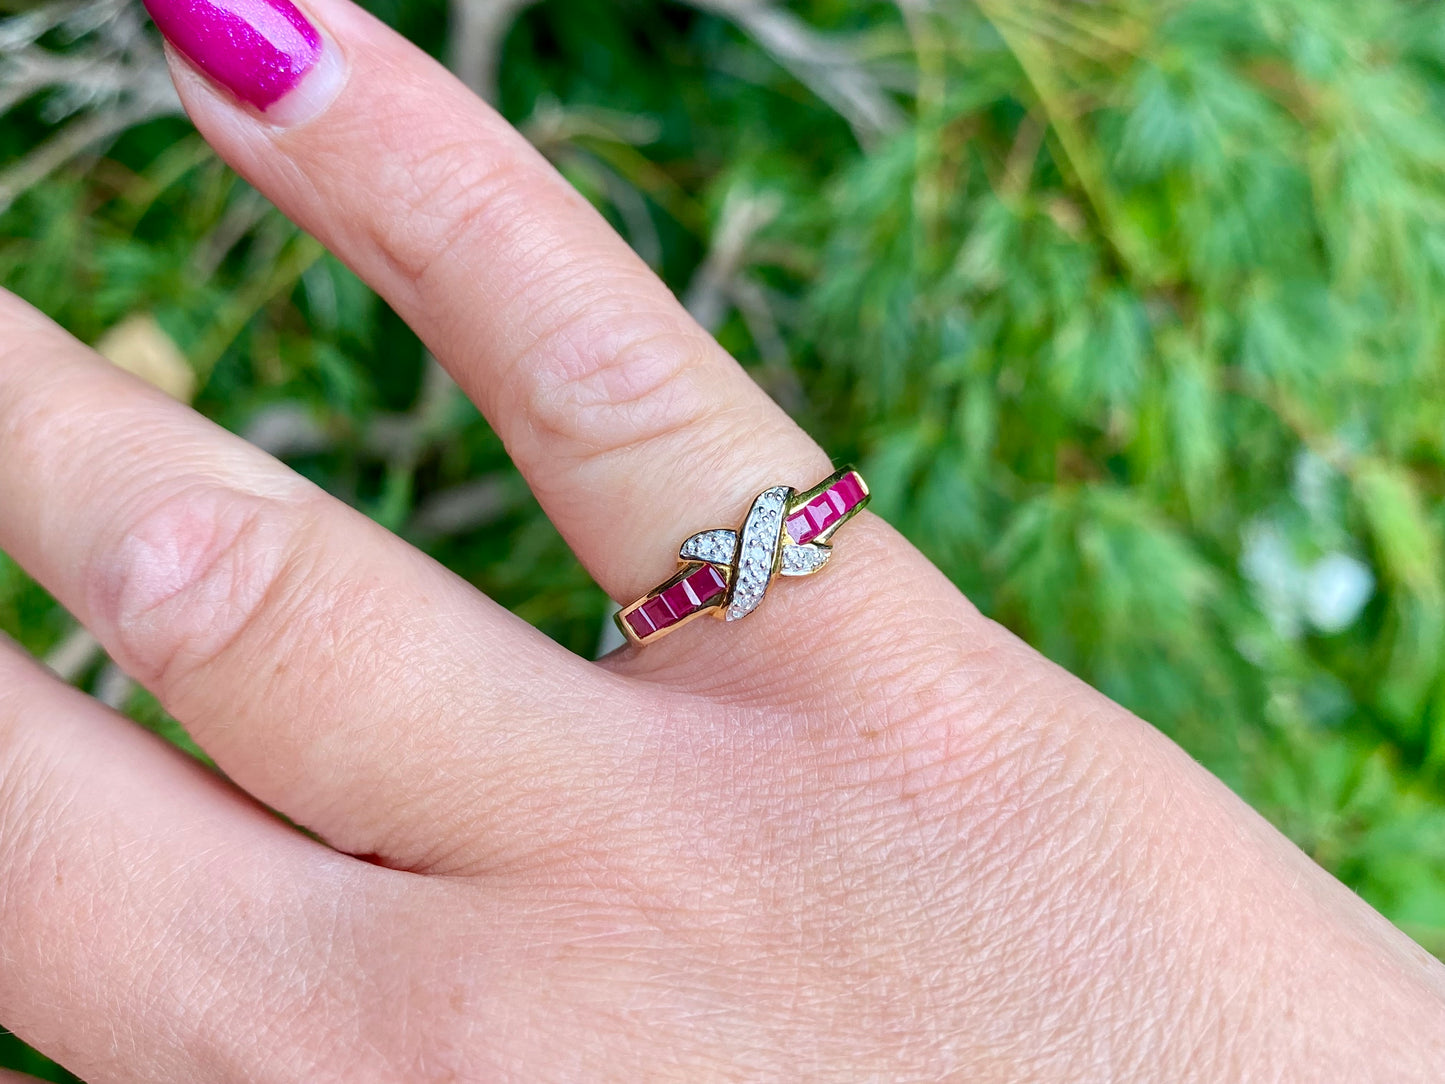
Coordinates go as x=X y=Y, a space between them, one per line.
x=1336 y=591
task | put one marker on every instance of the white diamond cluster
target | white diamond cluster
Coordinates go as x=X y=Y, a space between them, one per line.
x=757 y=551
x=804 y=560
x=718 y=547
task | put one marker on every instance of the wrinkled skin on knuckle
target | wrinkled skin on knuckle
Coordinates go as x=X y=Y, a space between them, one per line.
x=602 y=384
x=454 y=196
x=610 y=361
x=191 y=576
x=747 y=922
x=448 y=189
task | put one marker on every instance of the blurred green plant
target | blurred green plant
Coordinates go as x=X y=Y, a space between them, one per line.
x=1130 y=311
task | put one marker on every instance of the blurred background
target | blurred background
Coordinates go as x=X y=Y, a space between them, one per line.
x=1131 y=311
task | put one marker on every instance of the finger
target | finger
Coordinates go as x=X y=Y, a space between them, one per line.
x=632 y=426
x=149 y=910
x=330 y=669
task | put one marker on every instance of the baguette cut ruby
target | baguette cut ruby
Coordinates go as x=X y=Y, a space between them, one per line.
x=707 y=583
x=640 y=625
x=678 y=600
x=695 y=592
x=826 y=509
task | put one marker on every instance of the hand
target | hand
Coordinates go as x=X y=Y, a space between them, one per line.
x=863 y=835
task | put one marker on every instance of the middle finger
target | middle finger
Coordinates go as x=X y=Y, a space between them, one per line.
x=336 y=673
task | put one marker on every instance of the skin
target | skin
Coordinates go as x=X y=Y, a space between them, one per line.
x=865 y=835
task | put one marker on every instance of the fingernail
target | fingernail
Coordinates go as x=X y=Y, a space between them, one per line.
x=259 y=50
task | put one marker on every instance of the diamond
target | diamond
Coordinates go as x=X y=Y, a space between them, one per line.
x=804 y=560
x=760 y=536
x=718 y=547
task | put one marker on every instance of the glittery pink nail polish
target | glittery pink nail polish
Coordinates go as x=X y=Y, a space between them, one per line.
x=257 y=49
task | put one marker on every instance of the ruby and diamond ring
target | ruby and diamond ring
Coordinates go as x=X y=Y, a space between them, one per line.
x=727 y=573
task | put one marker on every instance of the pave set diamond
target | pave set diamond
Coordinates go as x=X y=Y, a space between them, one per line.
x=758 y=551
x=716 y=547
x=804 y=560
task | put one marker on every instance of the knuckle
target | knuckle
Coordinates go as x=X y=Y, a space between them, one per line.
x=602 y=384
x=452 y=196
x=194 y=576
x=607 y=372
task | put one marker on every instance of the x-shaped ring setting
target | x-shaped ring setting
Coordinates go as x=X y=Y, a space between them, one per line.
x=727 y=573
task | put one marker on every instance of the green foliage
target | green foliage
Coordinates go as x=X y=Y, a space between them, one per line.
x=1129 y=310
x=1152 y=291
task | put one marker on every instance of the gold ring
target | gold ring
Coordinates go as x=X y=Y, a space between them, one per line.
x=727 y=573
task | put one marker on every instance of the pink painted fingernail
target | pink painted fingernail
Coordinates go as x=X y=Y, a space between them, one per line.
x=257 y=49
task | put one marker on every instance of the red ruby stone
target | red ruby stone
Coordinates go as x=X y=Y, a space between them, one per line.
x=826 y=509
x=695 y=592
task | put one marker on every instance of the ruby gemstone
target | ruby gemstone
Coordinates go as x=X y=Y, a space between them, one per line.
x=826 y=509
x=695 y=592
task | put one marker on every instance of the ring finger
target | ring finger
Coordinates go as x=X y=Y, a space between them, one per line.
x=633 y=427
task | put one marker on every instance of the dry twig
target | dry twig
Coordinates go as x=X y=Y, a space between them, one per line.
x=113 y=79
x=830 y=67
